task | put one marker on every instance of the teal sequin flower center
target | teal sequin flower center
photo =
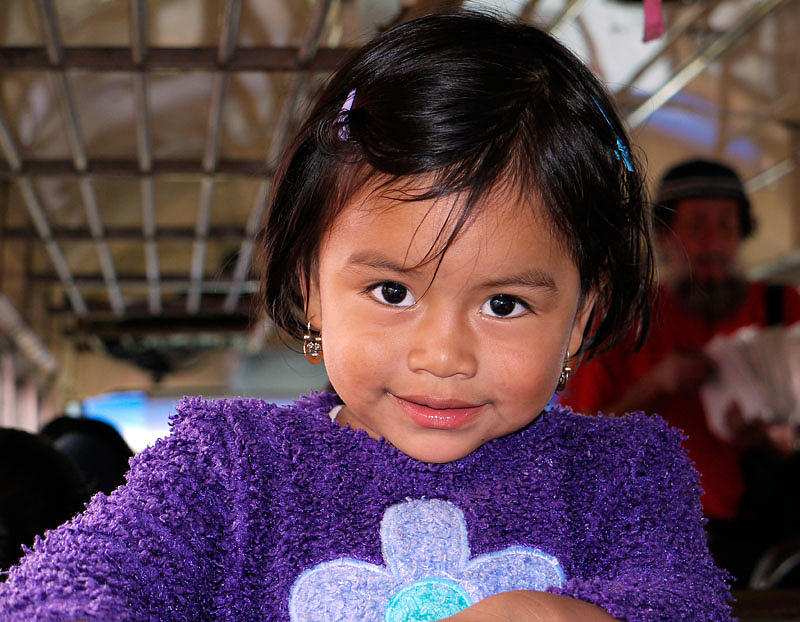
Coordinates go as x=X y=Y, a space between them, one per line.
x=432 y=599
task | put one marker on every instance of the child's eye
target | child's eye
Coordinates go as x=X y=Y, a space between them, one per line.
x=503 y=305
x=393 y=294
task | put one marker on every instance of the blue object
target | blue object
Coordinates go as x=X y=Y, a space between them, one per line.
x=621 y=152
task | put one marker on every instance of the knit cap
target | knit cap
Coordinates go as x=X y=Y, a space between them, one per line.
x=700 y=179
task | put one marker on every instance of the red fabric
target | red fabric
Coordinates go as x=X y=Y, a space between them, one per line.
x=603 y=380
x=653 y=20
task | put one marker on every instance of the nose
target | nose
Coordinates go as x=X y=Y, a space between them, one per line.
x=443 y=345
x=713 y=239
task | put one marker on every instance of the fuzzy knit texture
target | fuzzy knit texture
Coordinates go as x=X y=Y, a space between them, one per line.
x=218 y=520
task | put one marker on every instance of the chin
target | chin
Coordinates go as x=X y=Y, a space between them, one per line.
x=436 y=452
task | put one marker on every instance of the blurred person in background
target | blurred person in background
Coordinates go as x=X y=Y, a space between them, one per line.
x=95 y=447
x=702 y=216
x=40 y=488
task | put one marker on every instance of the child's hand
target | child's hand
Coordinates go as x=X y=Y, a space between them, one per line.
x=781 y=438
x=529 y=606
x=497 y=608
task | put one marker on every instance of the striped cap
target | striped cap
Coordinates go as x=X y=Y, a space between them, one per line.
x=700 y=178
x=696 y=179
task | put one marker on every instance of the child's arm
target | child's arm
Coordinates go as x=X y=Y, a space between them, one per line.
x=528 y=606
x=139 y=553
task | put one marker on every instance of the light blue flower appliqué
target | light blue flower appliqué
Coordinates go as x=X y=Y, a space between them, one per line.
x=428 y=574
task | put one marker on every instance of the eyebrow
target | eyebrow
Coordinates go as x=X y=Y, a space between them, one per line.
x=371 y=259
x=533 y=279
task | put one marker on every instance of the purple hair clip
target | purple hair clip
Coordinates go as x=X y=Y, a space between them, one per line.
x=342 y=117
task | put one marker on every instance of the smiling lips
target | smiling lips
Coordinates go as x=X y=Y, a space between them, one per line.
x=438 y=414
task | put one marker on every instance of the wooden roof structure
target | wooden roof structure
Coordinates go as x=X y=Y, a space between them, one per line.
x=138 y=137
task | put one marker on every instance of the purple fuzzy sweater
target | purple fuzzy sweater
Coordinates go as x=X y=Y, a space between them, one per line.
x=218 y=520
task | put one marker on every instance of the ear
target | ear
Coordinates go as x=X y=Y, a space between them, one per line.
x=582 y=316
x=313 y=304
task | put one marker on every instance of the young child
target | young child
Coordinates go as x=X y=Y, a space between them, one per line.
x=458 y=220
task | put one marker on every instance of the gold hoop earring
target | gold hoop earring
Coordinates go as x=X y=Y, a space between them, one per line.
x=312 y=346
x=566 y=372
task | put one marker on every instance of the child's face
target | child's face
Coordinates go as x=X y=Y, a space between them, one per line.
x=440 y=364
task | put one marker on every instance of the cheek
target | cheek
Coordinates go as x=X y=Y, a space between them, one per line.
x=691 y=244
x=732 y=245
x=525 y=373
x=675 y=252
x=356 y=359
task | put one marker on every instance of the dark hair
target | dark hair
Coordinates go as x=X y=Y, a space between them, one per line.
x=699 y=178
x=95 y=447
x=39 y=489
x=473 y=102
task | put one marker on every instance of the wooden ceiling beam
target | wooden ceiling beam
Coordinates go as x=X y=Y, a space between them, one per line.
x=120 y=167
x=176 y=282
x=219 y=235
x=169 y=59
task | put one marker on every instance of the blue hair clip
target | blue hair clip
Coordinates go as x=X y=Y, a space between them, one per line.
x=341 y=118
x=622 y=152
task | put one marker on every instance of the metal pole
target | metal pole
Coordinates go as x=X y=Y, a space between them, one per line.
x=145 y=154
x=53 y=44
x=199 y=245
x=697 y=64
x=227 y=47
x=770 y=175
x=245 y=257
x=305 y=57
x=571 y=10
x=526 y=13
x=146 y=187
x=671 y=36
x=60 y=264
x=39 y=218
